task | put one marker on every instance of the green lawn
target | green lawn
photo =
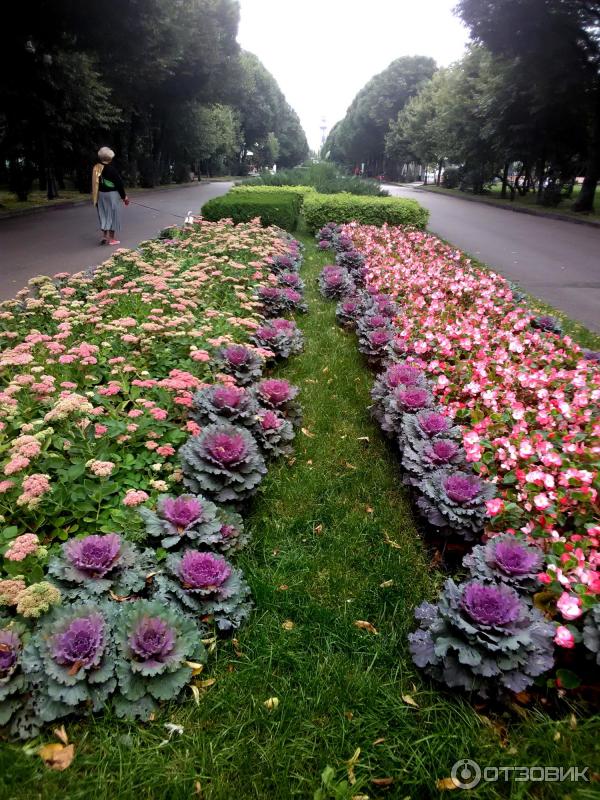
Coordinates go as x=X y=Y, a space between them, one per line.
x=319 y=560
x=529 y=201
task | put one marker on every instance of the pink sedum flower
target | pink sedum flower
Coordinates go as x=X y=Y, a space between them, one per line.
x=22 y=546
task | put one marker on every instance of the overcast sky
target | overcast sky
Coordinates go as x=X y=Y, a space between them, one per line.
x=321 y=52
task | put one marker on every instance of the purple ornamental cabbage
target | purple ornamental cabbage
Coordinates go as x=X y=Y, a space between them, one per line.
x=348 y=311
x=280 y=335
x=401 y=373
x=13 y=683
x=400 y=402
x=156 y=649
x=427 y=455
x=508 y=559
x=427 y=425
x=221 y=403
x=279 y=395
x=272 y=300
x=273 y=432
x=206 y=585
x=591 y=632
x=453 y=501
x=183 y=520
x=343 y=242
x=335 y=282
x=352 y=260
x=483 y=638
x=243 y=363
x=232 y=536
x=223 y=462
x=374 y=343
x=291 y=279
x=293 y=301
x=70 y=660
x=547 y=323
x=327 y=233
x=99 y=564
x=286 y=263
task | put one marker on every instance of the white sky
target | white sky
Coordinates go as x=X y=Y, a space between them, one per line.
x=321 y=52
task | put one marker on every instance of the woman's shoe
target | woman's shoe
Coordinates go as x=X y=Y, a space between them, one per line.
x=113 y=242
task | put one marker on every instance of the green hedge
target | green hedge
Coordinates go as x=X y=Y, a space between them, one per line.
x=273 y=208
x=301 y=191
x=319 y=209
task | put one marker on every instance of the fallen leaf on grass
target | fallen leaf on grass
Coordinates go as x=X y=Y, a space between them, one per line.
x=363 y=439
x=379 y=741
x=391 y=542
x=410 y=701
x=369 y=510
x=348 y=465
x=349 y=715
x=198 y=789
x=309 y=462
x=365 y=626
x=288 y=625
x=382 y=781
x=318 y=528
x=57 y=756
x=236 y=648
x=310 y=380
x=61 y=735
x=445 y=784
x=206 y=684
x=283 y=587
x=195 y=694
x=350 y=764
x=573 y=722
x=195 y=667
x=271 y=704
x=306 y=432
x=325 y=369
x=386 y=584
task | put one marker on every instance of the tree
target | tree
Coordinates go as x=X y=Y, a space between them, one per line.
x=556 y=44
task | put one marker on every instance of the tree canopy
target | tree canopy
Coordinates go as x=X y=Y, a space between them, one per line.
x=166 y=85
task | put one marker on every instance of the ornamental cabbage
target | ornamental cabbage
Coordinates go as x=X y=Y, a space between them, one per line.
x=279 y=395
x=508 y=559
x=187 y=519
x=98 y=564
x=272 y=300
x=13 y=683
x=453 y=501
x=273 y=433
x=401 y=401
x=224 y=462
x=243 y=363
x=70 y=660
x=335 y=282
x=233 y=537
x=222 y=403
x=374 y=343
x=591 y=632
x=281 y=336
x=426 y=426
x=482 y=637
x=427 y=455
x=206 y=585
x=156 y=648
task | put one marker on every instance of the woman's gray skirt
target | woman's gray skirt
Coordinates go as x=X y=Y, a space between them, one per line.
x=109 y=211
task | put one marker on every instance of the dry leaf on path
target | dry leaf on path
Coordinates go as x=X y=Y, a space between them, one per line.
x=365 y=626
x=57 y=756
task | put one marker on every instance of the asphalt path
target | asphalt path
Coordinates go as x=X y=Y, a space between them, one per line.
x=67 y=239
x=557 y=261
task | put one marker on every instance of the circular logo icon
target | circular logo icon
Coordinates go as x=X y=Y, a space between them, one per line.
x=466 y=774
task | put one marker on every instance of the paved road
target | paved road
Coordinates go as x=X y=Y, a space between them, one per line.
x=67 y=239
x=556 y=261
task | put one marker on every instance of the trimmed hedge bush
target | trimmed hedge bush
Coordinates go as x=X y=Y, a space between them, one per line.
x=273 y=208
x=301 y=191
x=319 y=209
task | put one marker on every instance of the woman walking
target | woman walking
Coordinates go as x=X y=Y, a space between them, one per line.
x=107 y=193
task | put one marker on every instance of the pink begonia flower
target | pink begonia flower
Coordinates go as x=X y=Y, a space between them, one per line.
x=22 y=546
x=564 y=638
x=542 y=501
x=494 y=506
x=569 y=606
x=135 y=497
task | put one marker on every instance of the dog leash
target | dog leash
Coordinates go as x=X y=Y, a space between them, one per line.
x=189 y=218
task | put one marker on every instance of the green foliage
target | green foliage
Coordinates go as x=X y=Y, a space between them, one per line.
x=324 y=177
x=273 y=208
x=320 y=209
x=254 y=189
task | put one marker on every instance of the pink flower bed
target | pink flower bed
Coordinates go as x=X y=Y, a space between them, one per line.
x=527 y=400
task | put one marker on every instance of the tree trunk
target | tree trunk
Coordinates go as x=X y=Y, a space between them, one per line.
x=439 y=175
x=504 y=180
